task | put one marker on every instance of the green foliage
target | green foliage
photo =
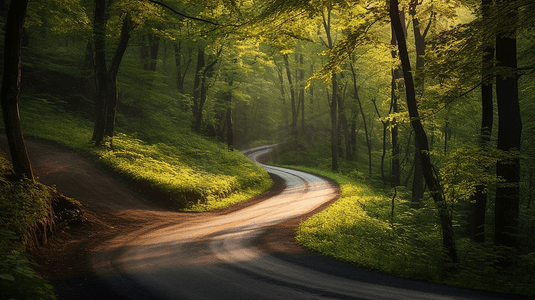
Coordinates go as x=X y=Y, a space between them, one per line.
x=467 y=167
x=196 y=174
x=360 y=228
x=23 y=204
x=17 y=279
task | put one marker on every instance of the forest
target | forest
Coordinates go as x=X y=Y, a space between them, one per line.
x=423 y=111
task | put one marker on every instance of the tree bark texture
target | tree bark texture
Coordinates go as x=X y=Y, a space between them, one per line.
x=479 y=206
x=448 y=240
x=292 y=94
x=509 y=137
x=11 y=87
x=396 y=74
x=111 y=100
x=99 y=34
x=106 y=79
x=197 y=114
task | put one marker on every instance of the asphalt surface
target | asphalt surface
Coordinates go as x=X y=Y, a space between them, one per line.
x=218 y=255
x=218 y=259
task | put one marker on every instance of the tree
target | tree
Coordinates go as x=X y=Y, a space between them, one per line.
x=432 y=183
x=106 y=102
x=11 y=87
x=477 y=218
x=509 y=133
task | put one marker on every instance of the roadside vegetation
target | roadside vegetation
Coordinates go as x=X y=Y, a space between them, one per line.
x=23 y=204
x=379 y=228
x=186 y=170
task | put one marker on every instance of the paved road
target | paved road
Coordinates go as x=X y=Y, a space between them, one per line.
x=217 y=256
x=218 y=259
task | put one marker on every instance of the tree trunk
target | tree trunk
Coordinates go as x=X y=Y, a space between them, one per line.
x=11 y=87
x=354 y=137
x=283 y=97
x=396 y=74
x=292 y=94
x=479 y=200
x=302 y=91
x=509 y=137
x=99 y=35
x=366 y=133
x=334 y=100
x=418 y=186
x=111 y=100
x=334 y=124
x=448 y=240
x=347 y=136
x=197 y=115
x=181 y=74
x=385 y=129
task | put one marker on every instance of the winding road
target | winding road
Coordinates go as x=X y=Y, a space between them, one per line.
x=221 y=255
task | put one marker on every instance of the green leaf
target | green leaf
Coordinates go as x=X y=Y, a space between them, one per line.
x=7 y=277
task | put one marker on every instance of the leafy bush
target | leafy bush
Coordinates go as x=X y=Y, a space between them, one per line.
x=359 y=228
x=23 y=204
x=17 y=279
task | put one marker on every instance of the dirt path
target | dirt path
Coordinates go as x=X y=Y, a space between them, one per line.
x=113 y=209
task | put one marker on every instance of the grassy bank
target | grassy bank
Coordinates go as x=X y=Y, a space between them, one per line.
x=369 y=227
x=23 y=204
x=194 y=173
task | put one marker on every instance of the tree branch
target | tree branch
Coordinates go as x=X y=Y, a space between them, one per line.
x=183 y=15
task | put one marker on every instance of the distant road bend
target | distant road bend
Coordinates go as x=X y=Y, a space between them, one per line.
x=218 y=258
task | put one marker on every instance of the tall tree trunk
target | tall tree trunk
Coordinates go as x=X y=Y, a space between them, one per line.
x=334 y=100
x=204 y=72
x=99 y=35
x=479 y=200
x=154 y=42
x=111 y=100
x=354 y=136
x=197 y=114
x=366 y=133
x=448 y=240
x=283 y=96
x=292 y=94
x=181 y=70
x=302 y=91
x=418 y=186
x=509 y=137
x=347 y=136
x=11 y=87
x=385 y=129
x=396 y=74
x=334 y=124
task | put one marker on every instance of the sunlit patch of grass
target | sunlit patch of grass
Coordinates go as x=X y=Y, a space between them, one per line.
x=195 y=173
x=192 y=186
x=359 y=229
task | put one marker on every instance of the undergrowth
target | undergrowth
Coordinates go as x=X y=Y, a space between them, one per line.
x=360 y=228
x=22 y=205
x=188 y=170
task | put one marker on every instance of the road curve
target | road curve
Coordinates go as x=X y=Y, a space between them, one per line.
x=215 y=256
x=218 y=258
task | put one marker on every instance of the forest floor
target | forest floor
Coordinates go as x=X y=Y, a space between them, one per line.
x=113 y=209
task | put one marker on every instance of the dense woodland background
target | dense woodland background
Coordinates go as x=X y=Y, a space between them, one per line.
x=433 y=102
